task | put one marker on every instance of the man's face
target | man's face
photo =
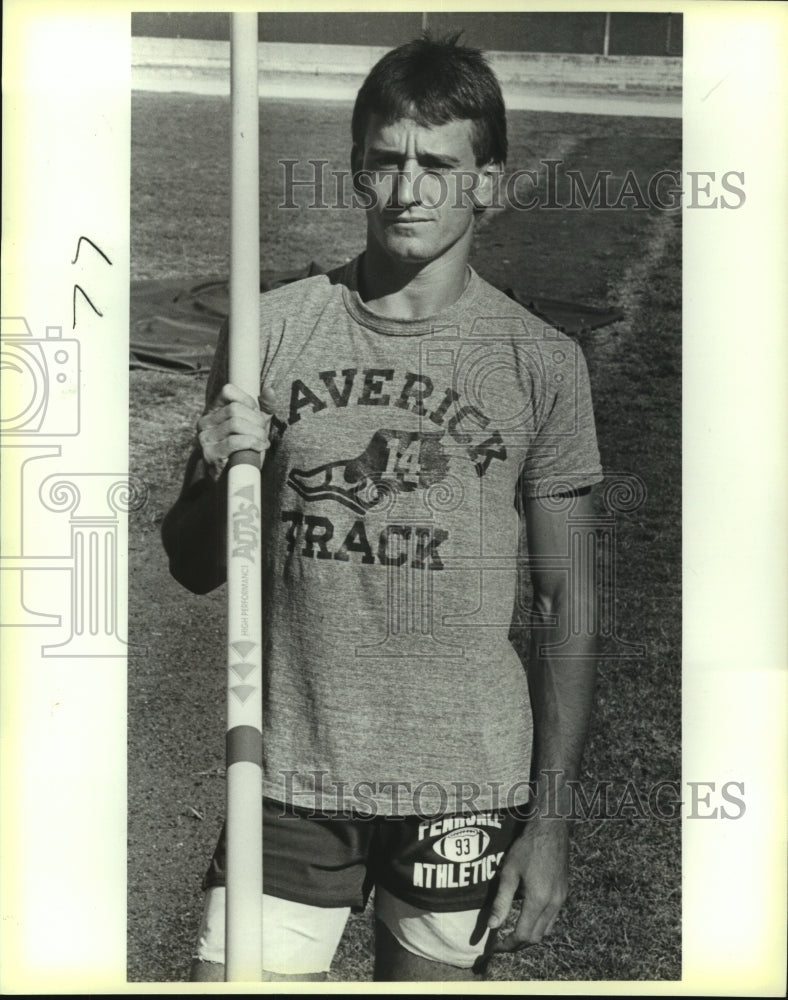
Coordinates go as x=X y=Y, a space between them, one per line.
x=419 y=178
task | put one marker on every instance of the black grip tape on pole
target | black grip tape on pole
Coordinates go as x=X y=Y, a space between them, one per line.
x=247 y=457
x=244 y=743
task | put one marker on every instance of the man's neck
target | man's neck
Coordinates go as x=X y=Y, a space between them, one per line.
x=411 y=291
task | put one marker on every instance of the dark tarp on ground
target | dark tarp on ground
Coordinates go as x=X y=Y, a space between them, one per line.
x=175 y=323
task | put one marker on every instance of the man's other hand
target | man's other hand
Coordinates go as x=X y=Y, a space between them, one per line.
x=538 y=861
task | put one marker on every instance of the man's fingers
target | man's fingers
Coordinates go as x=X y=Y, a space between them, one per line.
x=520 y=937
x=540 y=909
x=234 y=427
x=232 y=394
x=267 y=400
x=540 y=927
x=525 y=930
x=239 y=412
x=241 y=442
x=507 y=887
x=212 y=435
x=216 y=456
x=234 y=422
x=535 y=922
x=214 y=451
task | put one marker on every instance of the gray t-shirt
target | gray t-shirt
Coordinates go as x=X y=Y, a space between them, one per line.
x=390 y=536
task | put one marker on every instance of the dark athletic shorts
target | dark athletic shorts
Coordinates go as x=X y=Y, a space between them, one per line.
x=444 y=864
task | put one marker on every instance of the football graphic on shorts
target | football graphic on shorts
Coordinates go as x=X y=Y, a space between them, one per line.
x=466 y=844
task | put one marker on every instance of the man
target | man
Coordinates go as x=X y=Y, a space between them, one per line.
x=408 y=411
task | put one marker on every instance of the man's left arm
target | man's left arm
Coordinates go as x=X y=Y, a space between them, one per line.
x=562 y=692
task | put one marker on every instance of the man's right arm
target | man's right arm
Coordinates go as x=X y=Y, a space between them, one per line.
x=194 y=530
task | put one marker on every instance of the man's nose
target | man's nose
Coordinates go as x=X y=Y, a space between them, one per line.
x=406 y=188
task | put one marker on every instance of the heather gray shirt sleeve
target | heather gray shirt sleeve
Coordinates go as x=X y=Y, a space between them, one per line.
x=564 y=453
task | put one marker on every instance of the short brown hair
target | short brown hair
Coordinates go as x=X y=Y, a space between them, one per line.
x=434 y=81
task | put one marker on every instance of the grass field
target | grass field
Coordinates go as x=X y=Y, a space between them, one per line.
x=623 y=917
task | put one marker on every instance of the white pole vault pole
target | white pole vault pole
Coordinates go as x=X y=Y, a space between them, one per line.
x=244 y=877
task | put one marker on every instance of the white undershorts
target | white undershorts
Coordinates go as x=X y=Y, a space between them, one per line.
x=299 y=939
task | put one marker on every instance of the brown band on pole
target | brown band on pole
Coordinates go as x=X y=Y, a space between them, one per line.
x=244 y=743
x=247 y=457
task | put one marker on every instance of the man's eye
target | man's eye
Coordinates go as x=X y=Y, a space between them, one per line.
x=438 y=169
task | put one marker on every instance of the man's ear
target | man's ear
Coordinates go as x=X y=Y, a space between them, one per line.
x=487 y=194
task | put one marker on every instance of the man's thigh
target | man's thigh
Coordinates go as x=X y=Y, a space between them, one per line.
x=314 y=872
x=298 y=940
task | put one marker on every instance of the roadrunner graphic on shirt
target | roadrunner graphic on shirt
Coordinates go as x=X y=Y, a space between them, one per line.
x=394 y=462
x=404 y=460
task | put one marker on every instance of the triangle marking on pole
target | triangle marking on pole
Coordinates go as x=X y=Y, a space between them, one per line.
x=242 y=669
x=246 y=492
x=242 y=691
x=243 y=647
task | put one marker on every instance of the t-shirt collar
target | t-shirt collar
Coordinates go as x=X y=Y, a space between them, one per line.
x=406 y=327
